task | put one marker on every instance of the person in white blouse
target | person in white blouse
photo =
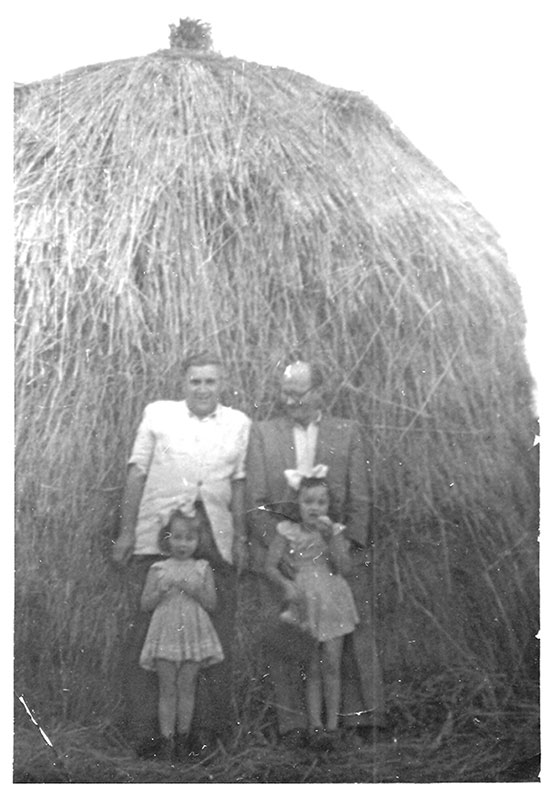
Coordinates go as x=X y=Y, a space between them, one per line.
x=188 y=451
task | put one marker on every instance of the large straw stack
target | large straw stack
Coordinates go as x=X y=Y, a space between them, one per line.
x=178 y=201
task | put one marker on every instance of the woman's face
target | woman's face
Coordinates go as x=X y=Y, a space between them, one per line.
x=313 y=503
x=182 y=540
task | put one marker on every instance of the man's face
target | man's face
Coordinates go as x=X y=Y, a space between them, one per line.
x=300 y=401
x=202 y=389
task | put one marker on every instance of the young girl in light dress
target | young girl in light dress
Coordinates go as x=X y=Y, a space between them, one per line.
x=181 y=638
x=319 y=600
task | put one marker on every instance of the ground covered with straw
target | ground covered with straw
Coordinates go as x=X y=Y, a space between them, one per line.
x=93 y=755
x=463 y=739
x=178 y=201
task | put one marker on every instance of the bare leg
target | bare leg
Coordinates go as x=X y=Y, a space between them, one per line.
x=186 y=689
x=313 y=690
x=330 y=665
x=167 y=696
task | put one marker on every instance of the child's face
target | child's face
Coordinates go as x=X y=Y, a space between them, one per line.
x=182 y=541
x=313 y=503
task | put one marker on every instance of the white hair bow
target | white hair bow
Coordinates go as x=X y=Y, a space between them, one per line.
x=294 y=476
x=188 y=509
x=184 y=504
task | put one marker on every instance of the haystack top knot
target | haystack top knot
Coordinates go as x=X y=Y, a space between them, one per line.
x=191 y=34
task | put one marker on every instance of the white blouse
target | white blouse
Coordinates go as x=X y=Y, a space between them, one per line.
x=186 y=457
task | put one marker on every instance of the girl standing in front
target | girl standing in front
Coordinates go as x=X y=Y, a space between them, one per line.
x=181 y=638
x=318 y=599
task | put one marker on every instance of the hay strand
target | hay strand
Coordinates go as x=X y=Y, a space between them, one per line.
x=177 y=200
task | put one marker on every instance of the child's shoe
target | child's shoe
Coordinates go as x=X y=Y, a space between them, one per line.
x=149 y=747
x=181 y=748
x=165 y=750
x=316 y=738
x=333 y=739
x=322 y=739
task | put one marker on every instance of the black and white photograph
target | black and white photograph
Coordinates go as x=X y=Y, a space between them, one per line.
x=278 y=376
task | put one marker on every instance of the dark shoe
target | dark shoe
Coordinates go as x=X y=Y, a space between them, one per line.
x=293 y=739
x=149 y=747
x=364 y=736
x=322 y=740
x=165 y=751
x=334 y=739
x=202 y=744
x=181 y=749
x=373 y=733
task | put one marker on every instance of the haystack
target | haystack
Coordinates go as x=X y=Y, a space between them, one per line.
x=180 y=201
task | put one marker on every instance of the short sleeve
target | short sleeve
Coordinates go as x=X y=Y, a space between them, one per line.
x=241 y=449
x=203 y=566
x=143 y=447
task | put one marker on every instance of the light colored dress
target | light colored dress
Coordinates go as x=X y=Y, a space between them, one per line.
x=180 y=628
x=327 y=608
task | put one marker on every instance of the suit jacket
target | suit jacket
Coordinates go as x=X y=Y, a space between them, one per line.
x=271 y=450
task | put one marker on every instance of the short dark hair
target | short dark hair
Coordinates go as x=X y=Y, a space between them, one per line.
x=312 y=482
x=193 y=522
x=204 y=358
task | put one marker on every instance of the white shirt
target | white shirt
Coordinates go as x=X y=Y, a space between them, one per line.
x=305 y=439
x=186 y=457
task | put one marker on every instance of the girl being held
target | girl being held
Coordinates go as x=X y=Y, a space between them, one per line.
x=181 y=638
x=318 y=599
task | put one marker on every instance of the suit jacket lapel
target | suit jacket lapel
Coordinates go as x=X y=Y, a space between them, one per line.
x=282 y=445
x=287 y=444
x=323 y=443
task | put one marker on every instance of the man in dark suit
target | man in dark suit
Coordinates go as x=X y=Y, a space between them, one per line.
x=301 y=438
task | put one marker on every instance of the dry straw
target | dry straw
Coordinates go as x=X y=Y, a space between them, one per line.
x=175 y=201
